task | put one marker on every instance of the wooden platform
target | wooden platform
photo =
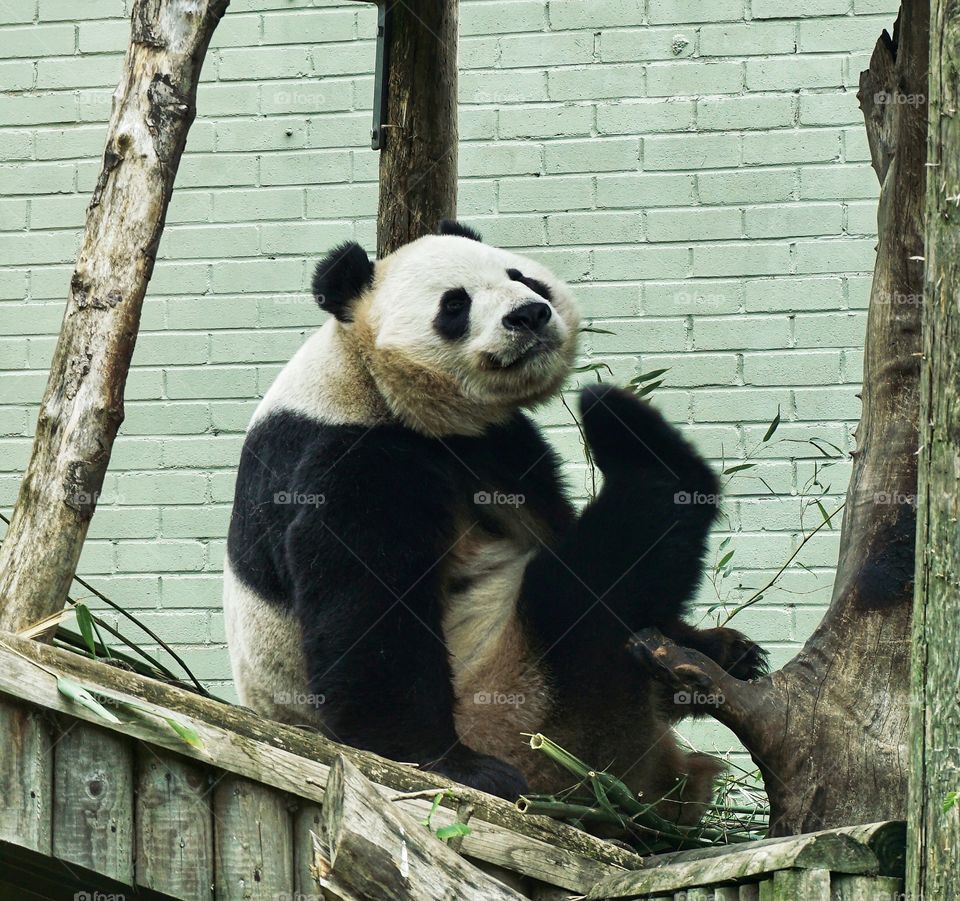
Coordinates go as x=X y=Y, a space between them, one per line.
x=130 y=809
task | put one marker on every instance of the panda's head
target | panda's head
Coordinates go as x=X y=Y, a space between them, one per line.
x=455 y=333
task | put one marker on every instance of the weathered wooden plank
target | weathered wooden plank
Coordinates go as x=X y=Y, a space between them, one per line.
x=887 y=839
x=749 y=891
x=307 y=827
x=293 y=760
x=26 y=777
x=174 y=825
x=93 y=800
x=866 y=888
x=808 y=885
x=254 y=841
x=765 y=891
x=377 y=851
x=694 y=894
x=670 y=872
x=726 y=893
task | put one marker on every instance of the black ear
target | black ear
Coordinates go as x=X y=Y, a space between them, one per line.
x=452 y=227
x=341 y=277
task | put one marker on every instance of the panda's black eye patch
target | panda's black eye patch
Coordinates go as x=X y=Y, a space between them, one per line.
x=534 y=284
x=453 y=317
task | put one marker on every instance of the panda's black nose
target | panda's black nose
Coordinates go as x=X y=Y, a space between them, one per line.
x=531 y=317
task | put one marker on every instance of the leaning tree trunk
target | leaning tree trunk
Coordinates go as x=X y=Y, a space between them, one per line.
x=82 y=408
x=418 y=162
x=829 y=731
x=934 y=834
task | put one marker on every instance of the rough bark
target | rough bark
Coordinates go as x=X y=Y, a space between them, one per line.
x=829 y=731
x=934 y=834
x=82 y=407
x=418 y=162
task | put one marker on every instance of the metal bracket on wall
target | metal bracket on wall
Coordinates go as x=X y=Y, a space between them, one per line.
x=381 y=74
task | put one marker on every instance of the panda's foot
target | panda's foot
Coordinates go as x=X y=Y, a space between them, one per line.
x=482 y=772
x=739 y=655
x=625 y=433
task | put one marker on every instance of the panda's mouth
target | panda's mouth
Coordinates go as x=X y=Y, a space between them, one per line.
x=496 y=363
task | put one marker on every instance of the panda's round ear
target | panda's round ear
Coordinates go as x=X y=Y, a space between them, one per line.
x=340 y=278
x=452 y=227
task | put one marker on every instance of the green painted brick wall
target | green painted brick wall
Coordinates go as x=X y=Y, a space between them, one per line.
x=697 y=169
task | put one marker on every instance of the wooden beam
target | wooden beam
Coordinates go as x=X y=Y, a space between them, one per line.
x=297 y=761
x=82 y=407
x=374 y=849
x=418 y=159
x=824 y=851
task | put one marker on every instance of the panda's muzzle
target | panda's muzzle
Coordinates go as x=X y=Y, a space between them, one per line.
x=528 y=317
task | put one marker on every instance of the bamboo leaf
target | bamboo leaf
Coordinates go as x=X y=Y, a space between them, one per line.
x=593 y=330
x=826 y=516
x=648 y=376
x=648 y=389
x=593 y=367
x=185 y=732
x=739 y=468
x=80 y=695
x=454 y=830
x=85 y=623
x=725 y=560
x=772 y=427
x=950 y=801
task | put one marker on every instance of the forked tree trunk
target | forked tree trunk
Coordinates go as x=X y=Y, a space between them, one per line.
x=418 y=162
x=829 y=731
x=82 y=408
x=934 y=815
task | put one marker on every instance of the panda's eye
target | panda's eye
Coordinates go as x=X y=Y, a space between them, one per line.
x=455 y=301
x=453 y=318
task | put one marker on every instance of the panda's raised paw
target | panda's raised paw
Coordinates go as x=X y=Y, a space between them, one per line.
x=624 y=432
x=482 y=772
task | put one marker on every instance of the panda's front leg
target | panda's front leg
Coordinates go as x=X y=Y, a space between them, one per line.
x=367 y=593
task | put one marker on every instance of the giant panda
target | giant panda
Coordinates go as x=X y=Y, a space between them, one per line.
x=404 y=569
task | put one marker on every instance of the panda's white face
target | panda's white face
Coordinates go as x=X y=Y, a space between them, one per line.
x=492 y=327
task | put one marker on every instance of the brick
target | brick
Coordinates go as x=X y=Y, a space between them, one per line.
x=79 y=72
x=698 y=151
x=645 y=43
x=502 y=17
x=747 y=38
x=679 y=11
x=17 y=75
x=792 y=368
x=743 y=258
x=746 y=186
x=691 y=297
x=790 y=73
x=263 y=63
x=830 y=109
x=308 y=26
x=741 y=333
x=596 y=82
x=694 y=78
x=307 y=167
x=793 y=219
x=862 y=217
x=838 y=182
x=645 y=190
x=771 y=295
x=834 y=35
x=695 y=224
x=836 y=255
x=594 y=228
x=499 y=159
x=36 y=41
x=526 y=86
x=670 y=262
x=663 y=335
x=839 y=329
x=303 y=96
x=644 y=116
x=763 y=111
x=560 y=193
x=598 y=14
x=547 y=50
x=804 y=145
x=594 y=155
x=553 y=121
x=785 y=9
x=511 y=231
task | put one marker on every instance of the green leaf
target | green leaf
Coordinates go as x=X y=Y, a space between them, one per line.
x=648 y=376
x=773 y=426
x=85 y=622
x=739 y=468
x=80 y=695
x=725 y=560
x=593 y=330
x=950 y=801
x=648 y=389
x=452 y=831
x=592 y=367
x=189 y=735
x=826 y=516
x=725 y=542
x=438 y=798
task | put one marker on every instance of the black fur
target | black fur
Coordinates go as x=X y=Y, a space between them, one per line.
x=341 y=277
x=534 y=284
x=452 y=227
x=453 y=317
x=349 y=528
